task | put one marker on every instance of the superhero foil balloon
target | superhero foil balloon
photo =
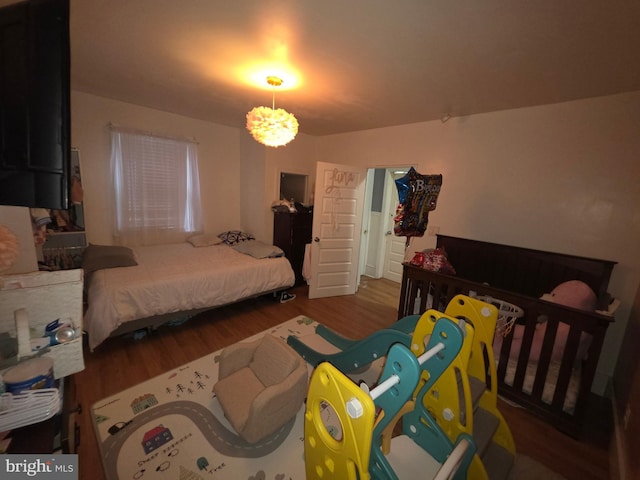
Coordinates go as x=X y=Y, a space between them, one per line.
x=418 y=195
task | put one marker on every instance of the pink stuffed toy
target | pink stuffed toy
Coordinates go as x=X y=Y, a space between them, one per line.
x=576 y=294
x=573 y=293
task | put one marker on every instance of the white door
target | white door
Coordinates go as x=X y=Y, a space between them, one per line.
x=337 y=222
x=394 y=246
x=369 y=241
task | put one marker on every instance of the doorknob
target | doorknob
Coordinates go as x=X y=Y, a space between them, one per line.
x=388 y=232
x=316 y=239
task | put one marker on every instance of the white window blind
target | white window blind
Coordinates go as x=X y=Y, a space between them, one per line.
x=156 y=188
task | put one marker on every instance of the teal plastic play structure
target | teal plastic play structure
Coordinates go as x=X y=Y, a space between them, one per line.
x=451 y=407
x=366 y=448
x=354 y=354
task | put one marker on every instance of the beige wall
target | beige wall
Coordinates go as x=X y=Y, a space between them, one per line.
x=561 y=177
x=218 y=160
x=238 y=177
x=626 y=386
x=260 y=184
x=297 y=157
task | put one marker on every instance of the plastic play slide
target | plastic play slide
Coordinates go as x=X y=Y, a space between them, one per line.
x=354 y=440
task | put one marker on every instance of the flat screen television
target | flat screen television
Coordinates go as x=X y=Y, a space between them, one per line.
x=35 y=146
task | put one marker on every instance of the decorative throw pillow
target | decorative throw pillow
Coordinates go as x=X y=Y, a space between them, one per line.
x=233 y=237
x=258 y=249
x=204 y=240
x=97 y=257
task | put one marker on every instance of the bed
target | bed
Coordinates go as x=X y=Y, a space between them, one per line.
x=546 y=367
x=151 y=285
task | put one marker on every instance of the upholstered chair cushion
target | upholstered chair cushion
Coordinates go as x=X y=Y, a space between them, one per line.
x=261 y=386
x=273 y=361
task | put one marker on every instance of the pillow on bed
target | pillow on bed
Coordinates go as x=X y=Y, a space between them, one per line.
x=204 y=240
x=258 y=249
x=233 y=237
x=97 y=257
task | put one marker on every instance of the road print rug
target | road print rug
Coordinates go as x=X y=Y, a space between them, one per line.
x=172 y=427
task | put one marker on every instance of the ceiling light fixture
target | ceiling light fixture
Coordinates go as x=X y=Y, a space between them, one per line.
x=269 y=126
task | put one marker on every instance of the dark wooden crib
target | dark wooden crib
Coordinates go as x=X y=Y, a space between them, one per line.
x=520 y=276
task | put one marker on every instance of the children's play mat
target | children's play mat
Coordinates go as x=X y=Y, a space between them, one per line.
x=172 y=426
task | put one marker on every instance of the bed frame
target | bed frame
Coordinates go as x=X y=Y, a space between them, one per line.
x=520 y=276
x=151 y=324
x=173 y=282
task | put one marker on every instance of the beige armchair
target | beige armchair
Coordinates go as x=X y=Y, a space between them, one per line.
x=261 y=386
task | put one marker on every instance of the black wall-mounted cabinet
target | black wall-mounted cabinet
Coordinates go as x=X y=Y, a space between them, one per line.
x=35 y=104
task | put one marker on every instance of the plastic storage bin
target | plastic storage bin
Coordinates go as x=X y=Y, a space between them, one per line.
x=45 y=296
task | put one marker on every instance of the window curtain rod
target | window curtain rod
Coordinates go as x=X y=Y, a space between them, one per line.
x=118 y=128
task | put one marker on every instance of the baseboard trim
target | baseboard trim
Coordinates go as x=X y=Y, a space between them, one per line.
x=618 y=451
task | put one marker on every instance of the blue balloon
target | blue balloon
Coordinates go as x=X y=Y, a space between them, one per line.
x=402 y=184
x=418 y=195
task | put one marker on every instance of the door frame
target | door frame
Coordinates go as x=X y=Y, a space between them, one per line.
x=367 y=213
x=366 y=224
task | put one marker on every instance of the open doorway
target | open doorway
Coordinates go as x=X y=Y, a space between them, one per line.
x=382 y=252
x=294 y=187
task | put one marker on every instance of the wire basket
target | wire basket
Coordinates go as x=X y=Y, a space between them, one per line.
x=508 y=313
x=28 y=407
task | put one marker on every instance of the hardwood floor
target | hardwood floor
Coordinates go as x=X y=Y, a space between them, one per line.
x=122 y=362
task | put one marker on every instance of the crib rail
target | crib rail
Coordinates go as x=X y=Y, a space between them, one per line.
x=524 y=270
x=422 y=289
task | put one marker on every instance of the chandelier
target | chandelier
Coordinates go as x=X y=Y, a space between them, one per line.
x=270 y=126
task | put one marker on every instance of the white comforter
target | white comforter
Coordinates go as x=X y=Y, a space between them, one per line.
x=177 y=277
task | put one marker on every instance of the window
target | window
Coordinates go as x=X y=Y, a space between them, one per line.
x=156 y=188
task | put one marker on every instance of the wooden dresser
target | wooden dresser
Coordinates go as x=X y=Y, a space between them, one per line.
x=291 y=232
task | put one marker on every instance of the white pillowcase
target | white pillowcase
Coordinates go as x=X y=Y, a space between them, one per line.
x=258 y=249
x=204 y=240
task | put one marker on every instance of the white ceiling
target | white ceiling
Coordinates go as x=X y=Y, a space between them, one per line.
x=360 y=64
